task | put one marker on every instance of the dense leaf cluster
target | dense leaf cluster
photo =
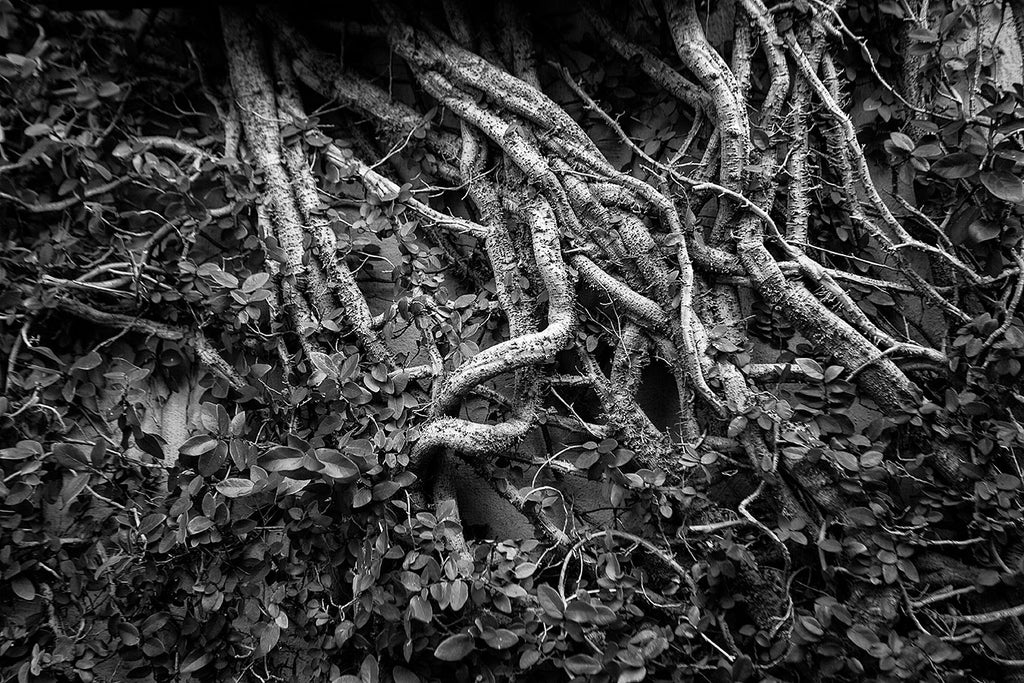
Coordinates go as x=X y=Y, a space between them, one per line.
x=283 y=537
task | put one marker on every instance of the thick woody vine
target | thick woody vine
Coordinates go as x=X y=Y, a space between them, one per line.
x=601 y=276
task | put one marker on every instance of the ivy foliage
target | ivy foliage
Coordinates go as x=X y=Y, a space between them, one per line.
x=164 y=518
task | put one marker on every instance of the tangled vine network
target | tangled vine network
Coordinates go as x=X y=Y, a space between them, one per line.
x=747 y=275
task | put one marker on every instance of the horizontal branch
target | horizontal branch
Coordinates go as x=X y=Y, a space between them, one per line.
x=205 y=352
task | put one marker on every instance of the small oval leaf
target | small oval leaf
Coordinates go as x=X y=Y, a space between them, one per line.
x=500 y=639
x=23 y=588
x=198 y=525
x=198 y=445
x=234 y=487
x=454 y=648
x=1006 y=186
